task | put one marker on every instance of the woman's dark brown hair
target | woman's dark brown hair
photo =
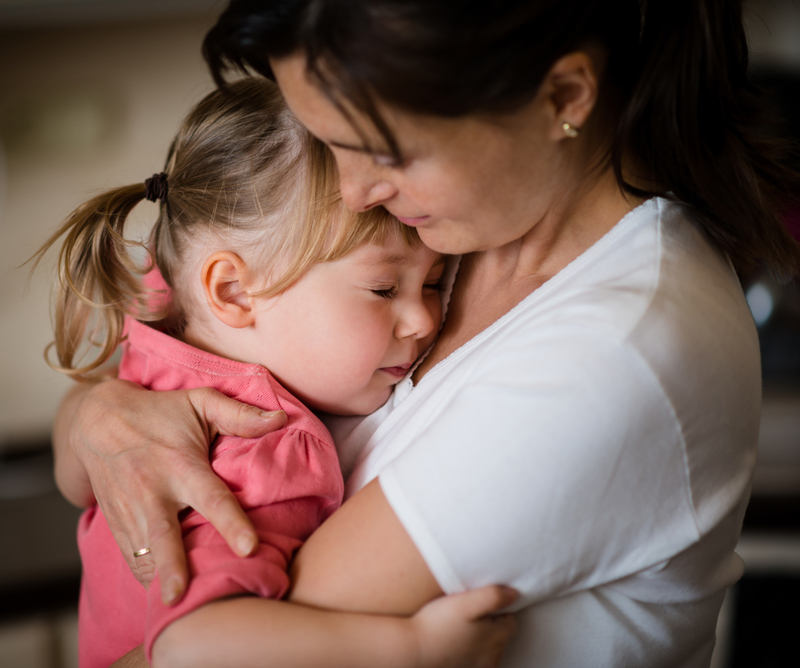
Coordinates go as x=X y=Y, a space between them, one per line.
x=675 y=102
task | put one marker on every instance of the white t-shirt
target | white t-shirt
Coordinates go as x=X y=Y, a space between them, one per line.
x=593 y=448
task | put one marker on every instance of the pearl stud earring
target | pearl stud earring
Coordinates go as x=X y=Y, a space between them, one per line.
x=570 y=130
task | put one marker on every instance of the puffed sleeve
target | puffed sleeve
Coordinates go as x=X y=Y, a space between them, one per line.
x=288 y=482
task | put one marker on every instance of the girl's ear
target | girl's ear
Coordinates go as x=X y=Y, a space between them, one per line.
x=223 y=275
x=571 y=87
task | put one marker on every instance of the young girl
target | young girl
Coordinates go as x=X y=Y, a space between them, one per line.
x=275 y=295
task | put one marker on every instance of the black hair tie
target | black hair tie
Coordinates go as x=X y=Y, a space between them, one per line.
x=156 y=187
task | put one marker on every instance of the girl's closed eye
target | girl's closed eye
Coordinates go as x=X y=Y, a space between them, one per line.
x=385 y=293
x=436 y=285
x=435 y=278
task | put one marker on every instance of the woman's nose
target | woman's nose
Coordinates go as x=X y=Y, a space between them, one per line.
x=360 y=187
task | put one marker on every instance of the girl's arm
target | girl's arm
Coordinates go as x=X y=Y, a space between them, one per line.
x=242 y=632
x=360 y=560
x=144 y=456
x=133 y=659
x=376 y=569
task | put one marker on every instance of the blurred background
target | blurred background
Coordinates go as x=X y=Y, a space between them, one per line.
x=91 y=93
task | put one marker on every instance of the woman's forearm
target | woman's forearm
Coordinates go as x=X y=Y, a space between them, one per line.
x=70 y=473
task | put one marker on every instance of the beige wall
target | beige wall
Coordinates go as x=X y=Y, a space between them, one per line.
x=81 y=109
x=84 y=108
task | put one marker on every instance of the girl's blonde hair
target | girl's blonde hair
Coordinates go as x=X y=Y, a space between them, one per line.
x=242 y=172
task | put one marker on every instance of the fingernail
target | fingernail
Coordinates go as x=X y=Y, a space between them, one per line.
x=245 y=544
x=510 y=593
x=268 y=415
x=171 y=591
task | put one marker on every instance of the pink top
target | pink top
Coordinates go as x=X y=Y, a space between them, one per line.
x=288 y=482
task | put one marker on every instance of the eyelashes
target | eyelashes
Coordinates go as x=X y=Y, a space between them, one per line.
x=438 y=286
x=386 y=293
x=389 y=293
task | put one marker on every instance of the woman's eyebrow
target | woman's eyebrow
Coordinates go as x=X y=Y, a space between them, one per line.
x=359 y=149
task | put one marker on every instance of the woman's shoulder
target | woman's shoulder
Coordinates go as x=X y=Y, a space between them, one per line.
x=659 y=348
x=654 y=285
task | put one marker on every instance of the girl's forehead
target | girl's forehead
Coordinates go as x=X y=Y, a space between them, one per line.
x=394 y=253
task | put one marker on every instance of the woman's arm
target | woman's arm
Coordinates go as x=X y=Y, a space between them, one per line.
x=71 y=476
x=362 y=560
x=144 y=456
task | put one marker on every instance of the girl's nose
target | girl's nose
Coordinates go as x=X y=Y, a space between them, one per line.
x=360 y=187
x=415 y=320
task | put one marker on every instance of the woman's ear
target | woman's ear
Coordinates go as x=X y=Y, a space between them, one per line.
x=571 y=88
x=223 y=276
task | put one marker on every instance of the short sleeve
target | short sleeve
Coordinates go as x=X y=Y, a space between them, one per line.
x=557 y=467
x=288 y=483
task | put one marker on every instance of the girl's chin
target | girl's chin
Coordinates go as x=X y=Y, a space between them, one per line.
x=364 y=406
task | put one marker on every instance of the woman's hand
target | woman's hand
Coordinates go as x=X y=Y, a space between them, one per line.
x=146 y=456
x=457 y=631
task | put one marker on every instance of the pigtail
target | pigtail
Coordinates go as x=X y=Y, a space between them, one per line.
x=99 y=280
x=695 y=127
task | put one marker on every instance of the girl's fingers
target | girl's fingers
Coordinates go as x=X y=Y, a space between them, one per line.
x=486 y=600
x=507 y=623
x=462 y=629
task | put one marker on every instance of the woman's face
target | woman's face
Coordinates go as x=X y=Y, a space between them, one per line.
x=467 y=184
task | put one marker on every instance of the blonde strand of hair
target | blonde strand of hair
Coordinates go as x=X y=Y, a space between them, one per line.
x=98 y=281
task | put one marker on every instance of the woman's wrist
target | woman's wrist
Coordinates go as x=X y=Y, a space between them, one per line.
x=70 y=473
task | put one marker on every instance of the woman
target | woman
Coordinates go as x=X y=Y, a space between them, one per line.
x=584 y=428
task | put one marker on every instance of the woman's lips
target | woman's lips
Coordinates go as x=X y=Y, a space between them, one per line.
x=412 y=222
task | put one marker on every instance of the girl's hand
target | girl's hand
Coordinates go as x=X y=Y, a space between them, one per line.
x=457 y=631
x=146 y=456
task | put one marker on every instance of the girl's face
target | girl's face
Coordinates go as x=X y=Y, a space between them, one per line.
x=466 y=184
x=342 y=336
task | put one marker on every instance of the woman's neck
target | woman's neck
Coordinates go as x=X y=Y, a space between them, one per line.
x=490 y=283
x=569 y=228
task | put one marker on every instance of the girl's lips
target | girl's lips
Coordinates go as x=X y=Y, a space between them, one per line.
x=412 y=222
x=397 y=371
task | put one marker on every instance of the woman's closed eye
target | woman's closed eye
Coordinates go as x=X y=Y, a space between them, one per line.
x=388 y=160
